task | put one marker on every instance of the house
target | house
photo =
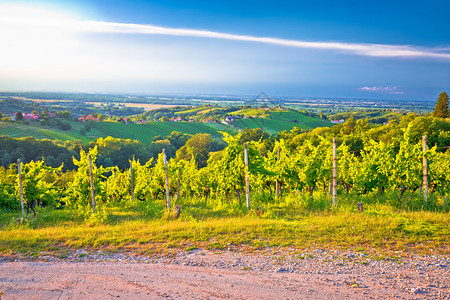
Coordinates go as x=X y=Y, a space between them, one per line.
x=338 y=121
x=26 y=117
x=176 y=119
x=87 y=118
x=208 y=121
x=32 y=117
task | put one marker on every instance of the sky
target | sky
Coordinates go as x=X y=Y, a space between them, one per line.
x=345 y=49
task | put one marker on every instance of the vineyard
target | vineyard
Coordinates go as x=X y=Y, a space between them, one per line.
x=377 y=168
x=401 y=189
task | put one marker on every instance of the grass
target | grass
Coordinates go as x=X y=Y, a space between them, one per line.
x=145 y=133
x=193 y=110
x=249 y=112
x=222 y=127
x=294 y=222
x=21 y=130
x=282 y=120
x=273 y=123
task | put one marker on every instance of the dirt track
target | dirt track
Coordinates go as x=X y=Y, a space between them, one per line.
x=205 y=275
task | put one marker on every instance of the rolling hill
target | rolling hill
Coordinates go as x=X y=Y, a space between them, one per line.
x=282 y=120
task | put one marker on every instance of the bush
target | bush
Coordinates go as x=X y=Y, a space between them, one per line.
x=65 y=125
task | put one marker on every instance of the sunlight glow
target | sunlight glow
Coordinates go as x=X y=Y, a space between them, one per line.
x=50 y=46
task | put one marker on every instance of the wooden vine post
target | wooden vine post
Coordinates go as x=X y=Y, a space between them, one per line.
x=115 y=183
x=278 y=183
x=425 y=169
x=178 y=183
x=20 y=187
x=167 y=179
x=132 y=185
x=92 y=184
x=247 y=185
x=334 y=173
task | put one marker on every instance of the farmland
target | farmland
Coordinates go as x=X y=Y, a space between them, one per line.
x=279 y=121
x=156 y=119
x=145 y=133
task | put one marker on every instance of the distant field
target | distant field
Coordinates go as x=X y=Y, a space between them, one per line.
x=192 y=110
x=249 y=112
x=145 y=106
x=210 y=110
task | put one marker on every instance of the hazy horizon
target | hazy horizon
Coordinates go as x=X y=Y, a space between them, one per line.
x=330 y=50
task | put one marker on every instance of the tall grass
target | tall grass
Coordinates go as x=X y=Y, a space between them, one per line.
x=296 y=220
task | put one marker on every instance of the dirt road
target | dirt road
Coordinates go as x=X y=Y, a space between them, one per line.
x=205 y=275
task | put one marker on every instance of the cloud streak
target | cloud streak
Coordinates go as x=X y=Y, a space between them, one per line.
x=382 y=89
x=363 y=49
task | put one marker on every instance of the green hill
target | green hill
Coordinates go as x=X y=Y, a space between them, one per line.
x=272 y=123
x=282 y=120
x=145 y=133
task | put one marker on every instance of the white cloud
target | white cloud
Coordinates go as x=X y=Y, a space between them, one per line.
x=379 y=50
x=382 y=89
x=376 y=50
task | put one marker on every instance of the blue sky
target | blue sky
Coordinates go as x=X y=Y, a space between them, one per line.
x=356 y=49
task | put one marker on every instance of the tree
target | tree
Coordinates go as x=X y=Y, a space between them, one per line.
x=66 y=114
x=198 y=147
x=19 y=116
x=441 y=109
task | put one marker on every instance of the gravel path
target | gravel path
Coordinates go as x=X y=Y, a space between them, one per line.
x=274 y=273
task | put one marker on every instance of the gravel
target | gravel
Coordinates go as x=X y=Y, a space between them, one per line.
x=348 y=274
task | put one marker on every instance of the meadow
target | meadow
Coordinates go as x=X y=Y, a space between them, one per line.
x=146 y=132
x=293 y=221
x=280 y=121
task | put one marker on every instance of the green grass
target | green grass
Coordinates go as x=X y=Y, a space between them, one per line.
x=21 y=130
x=273 y=123
x=282 y=120
x=249 y=112
x=193 y=110
x=211 y=110
x=222 y=127
x=299 y=222
x=145 y=133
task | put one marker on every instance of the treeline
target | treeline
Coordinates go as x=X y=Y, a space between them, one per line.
x=111 y=151
x=116 y=152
